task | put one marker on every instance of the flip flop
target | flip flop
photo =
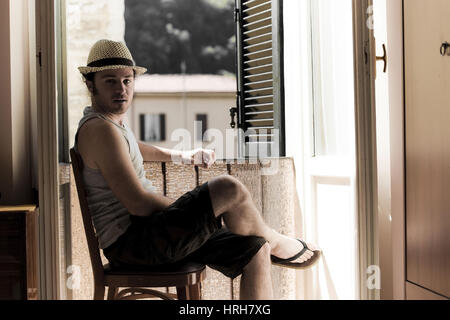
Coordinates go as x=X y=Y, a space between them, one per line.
x=297 y=265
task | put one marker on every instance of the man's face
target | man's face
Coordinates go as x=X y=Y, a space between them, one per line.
x=112 y=90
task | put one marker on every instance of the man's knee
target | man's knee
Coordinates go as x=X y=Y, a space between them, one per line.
x=230 y=188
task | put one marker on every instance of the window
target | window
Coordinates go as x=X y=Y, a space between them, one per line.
x=152 y=127
x=201 y=127
x=333 y=76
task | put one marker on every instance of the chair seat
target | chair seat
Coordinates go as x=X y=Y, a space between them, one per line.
x=179 y=275
x=185 y=276
x=169 y=270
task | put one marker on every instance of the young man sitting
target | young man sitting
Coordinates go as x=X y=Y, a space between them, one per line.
x=136 y=226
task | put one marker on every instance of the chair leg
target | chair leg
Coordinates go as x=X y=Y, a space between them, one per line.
x=112 y=292
x=99 y=292
x=194 y=292
x=183 y=293
x=191 y=292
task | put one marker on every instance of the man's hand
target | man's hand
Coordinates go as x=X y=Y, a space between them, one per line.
x=204 y=157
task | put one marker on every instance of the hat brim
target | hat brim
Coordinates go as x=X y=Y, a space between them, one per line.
x=87 y=70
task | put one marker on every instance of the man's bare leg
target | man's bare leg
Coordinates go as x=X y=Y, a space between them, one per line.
x=256 y=281
x=231 y=199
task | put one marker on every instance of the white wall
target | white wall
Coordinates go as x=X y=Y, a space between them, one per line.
x=15 y=155
x=180 y=114
x=6 y=162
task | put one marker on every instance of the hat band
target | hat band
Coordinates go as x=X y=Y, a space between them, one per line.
x=111 y=62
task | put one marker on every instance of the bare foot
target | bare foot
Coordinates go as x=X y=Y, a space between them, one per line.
x=285 y=247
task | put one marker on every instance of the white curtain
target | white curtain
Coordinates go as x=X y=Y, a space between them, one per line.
x=333 y=76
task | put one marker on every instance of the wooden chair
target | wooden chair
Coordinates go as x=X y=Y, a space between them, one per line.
x=134 y=283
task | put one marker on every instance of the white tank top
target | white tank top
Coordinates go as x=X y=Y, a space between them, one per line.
x=109 y=217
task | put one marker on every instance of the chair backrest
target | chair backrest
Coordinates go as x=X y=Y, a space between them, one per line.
x=94 y=251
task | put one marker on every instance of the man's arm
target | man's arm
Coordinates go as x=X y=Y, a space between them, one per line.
x=198 y=156
x=104 y=145
x=154 y=153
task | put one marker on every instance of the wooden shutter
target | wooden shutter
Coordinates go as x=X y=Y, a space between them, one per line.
x=260 y=73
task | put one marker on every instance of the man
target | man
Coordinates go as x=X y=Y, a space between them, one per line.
x=138 y=227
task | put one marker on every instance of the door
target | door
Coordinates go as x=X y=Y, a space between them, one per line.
x=427 y=132
x=334 y=147
x=379 y=25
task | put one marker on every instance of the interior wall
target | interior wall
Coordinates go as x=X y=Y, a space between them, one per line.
x=15 y=184
x=5 y=111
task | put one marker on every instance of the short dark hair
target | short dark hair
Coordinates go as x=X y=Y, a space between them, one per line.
x=89 y=76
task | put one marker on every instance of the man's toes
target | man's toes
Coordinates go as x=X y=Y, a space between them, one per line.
x=304 y=257
x=312 y=246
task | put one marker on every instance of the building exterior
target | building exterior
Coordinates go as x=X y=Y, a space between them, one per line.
x=167 y=107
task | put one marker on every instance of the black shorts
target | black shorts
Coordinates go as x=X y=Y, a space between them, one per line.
x=187 y=230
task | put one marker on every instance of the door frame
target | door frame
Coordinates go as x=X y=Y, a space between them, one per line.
x=395 y=32
x=47 y=100
x=47 y=137
x=366 y=145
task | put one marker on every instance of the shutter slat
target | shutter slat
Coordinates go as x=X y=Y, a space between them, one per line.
x=261 y=138
x=254 y=18
x=259 y=100
x=258 y=77
x=259 y=107
x=257 y=24
x=262 y=130
x=263 y=115
x=258 y=70
x=258 y=39
x=258 y=8
x=258 y=31
x=261 y=122
x=260 y=113
x=258 y=62
x=251 y=123
x=265 y=135
x=258 y=47
x=253 y=3
x=259 y=92
x=259 y=85
x=258 y=54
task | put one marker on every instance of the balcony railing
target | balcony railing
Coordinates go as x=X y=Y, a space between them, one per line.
x=272 y=186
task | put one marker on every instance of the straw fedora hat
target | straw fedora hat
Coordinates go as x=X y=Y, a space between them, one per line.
x=108 y=55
